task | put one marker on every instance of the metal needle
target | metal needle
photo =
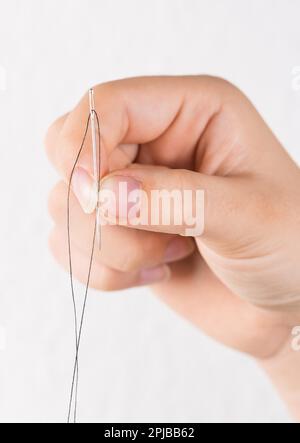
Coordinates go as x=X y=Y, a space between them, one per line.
x=96 y=160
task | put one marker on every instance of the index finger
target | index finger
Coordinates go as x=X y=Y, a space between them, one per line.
x=170 y=113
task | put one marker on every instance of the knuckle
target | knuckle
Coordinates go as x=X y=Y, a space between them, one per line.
x=217 y=82
x=221 y=89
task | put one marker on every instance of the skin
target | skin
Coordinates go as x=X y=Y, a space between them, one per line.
x=239 y=281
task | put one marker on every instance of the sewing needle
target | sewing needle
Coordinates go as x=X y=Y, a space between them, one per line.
x=96 y=159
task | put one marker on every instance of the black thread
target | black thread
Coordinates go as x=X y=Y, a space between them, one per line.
x=78 y=332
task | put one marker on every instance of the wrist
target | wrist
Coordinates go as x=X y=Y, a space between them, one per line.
x=284 y=371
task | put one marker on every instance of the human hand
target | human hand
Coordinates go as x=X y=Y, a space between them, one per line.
x=239 y=280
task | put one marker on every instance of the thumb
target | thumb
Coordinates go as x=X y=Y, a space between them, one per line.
x=172 y=201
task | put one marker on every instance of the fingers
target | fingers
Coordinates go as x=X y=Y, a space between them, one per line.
x=122 y=249
x=164 y=112
x=102 y=277
x=177 y=202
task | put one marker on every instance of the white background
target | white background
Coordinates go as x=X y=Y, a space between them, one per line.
x=139 y=361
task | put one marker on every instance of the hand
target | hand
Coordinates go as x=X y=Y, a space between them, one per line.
x=240 y=280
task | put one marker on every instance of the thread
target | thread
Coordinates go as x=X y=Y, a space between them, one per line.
x=78 y=326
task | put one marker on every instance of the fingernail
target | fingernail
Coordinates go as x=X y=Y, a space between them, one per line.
x=178 y=249
x=155 y=275
x=85 y=189
x=121 y=187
